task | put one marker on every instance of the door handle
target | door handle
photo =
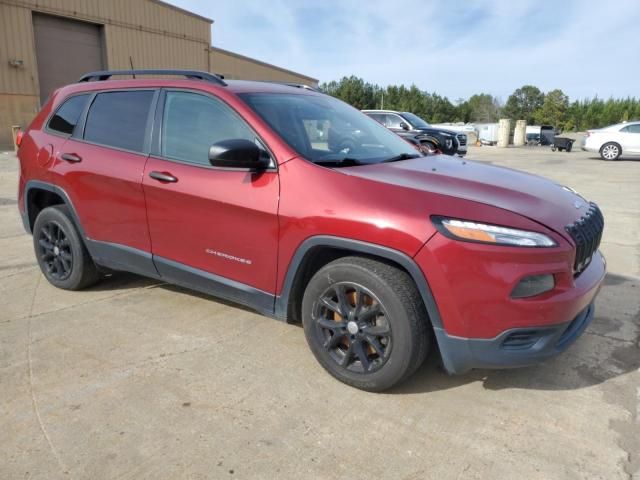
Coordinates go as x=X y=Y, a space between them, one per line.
x=163 y=177
x=71 y=157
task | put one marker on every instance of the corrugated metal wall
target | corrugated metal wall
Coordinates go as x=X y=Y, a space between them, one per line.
x=152 y=51
x=234 y=66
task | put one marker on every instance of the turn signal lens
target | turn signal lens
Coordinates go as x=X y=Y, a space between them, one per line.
x=484 y=233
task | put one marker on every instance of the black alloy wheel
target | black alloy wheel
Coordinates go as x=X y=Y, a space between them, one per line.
x=60 y=250
x=55 y=251
x=351 y=324
x=365 y=322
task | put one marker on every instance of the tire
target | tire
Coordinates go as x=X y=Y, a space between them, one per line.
x=428 y=148
x=610 y=151
x=60 y=251
x=382 y=331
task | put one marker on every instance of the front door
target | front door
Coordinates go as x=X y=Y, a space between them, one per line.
x=213 y=229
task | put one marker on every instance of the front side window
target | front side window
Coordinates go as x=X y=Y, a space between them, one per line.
x=119 y=119
x=67 y=116
x=326 y=130
x=192 y=122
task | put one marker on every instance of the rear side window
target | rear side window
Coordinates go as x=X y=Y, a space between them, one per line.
x=119 y=119
x=67 y=116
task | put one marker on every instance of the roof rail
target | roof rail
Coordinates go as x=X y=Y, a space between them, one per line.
x=291 y=84
x=190 y=74
x=299 y=85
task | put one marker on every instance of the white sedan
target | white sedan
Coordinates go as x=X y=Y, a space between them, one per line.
x=614 y=141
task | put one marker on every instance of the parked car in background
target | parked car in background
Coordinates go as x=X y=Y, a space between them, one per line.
x=614 y=141
x=415 y=129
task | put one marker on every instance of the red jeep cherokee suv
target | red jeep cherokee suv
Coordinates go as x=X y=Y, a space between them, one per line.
x=303 y=208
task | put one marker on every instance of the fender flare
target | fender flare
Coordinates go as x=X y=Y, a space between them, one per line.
x=40 y=185
x=357 y=246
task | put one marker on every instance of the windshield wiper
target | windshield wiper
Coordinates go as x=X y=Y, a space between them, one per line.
x=402 y=156
x=344 y=162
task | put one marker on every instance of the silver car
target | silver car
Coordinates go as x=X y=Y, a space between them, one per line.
x=614 y=141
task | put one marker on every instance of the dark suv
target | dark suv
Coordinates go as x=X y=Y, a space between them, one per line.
x=299 y=206
x=413 y=128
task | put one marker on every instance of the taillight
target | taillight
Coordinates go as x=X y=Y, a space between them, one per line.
x=19 y=136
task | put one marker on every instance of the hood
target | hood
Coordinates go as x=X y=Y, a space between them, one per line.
x=435 y=130
x=531 y=196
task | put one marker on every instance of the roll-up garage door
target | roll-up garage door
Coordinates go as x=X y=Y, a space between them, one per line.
x=65 y=49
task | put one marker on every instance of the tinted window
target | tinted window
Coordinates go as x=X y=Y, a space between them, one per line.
x=119 y=119
x=632 y=129
x=192 y=123
x=67 y=116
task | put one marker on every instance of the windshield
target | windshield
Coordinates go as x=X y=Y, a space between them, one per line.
x=415 y=121
x=326 y=130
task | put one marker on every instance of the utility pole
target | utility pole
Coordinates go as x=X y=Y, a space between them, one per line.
x=382 y=102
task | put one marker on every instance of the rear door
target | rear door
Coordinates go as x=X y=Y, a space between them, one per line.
x=210 y=227
x=100 y=167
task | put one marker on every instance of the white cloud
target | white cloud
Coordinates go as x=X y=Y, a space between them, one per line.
x=453 y=48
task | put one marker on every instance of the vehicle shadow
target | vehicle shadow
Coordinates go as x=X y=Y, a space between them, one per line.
x=127 y=281
x=123 y=281
x=621 y=159
x=609 y=348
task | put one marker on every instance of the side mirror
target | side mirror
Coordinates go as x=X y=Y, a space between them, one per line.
x=238 y=153
x=404 y=126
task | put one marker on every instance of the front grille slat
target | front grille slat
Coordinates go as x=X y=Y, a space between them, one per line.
x=586 y=232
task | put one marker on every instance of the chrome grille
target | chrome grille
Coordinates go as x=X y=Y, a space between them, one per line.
x=586 y=232
x=462 y=139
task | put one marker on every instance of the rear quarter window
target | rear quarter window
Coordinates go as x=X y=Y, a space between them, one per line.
x=119 y=119
x=68 y=114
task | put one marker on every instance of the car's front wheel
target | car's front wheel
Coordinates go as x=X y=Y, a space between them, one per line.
x=610 y=151
x=61 y=254
x=365 y=322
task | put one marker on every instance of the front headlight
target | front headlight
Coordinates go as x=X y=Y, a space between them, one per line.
x=483 y=233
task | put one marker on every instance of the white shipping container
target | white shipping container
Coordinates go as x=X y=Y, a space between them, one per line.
x=488 y=132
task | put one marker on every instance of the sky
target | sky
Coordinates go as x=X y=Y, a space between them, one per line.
x=453 y=48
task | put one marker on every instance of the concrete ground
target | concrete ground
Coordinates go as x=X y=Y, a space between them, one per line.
x=137 y=379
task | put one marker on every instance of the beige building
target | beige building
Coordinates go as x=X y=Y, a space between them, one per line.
x=48 y=43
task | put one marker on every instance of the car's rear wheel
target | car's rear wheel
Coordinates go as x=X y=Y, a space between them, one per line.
x=610 y=151
x=61 y=254
x=365 y=322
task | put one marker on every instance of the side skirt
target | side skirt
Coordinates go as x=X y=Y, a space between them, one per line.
x=211 y=284
x=123 y=258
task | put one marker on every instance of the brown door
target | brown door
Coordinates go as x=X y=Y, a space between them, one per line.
x=65 y=49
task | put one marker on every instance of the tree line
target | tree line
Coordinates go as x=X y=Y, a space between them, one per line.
x=527 y=102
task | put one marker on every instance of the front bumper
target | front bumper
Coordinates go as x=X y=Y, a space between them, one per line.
x=516 y=347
